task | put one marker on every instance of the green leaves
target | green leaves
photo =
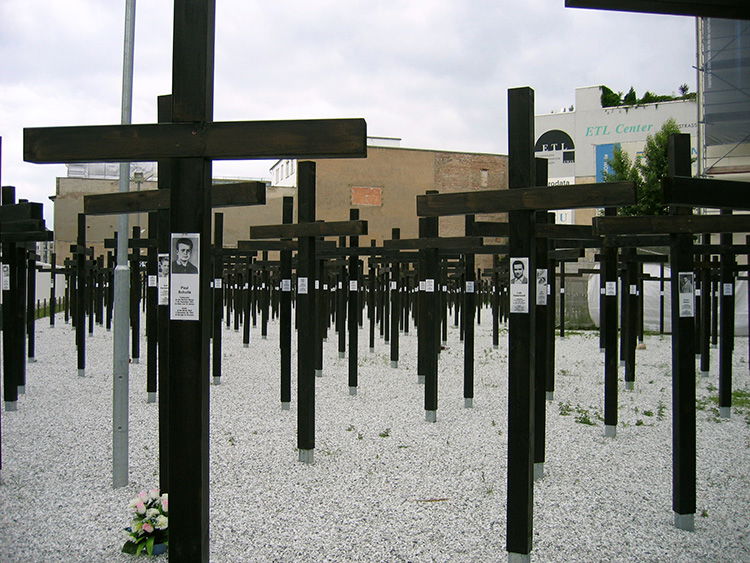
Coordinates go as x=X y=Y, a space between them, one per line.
x=645 y=172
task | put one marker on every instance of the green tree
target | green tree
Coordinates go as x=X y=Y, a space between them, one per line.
x=630 y=98
x=646 y=172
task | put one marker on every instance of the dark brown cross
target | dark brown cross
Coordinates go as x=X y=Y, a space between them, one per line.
x=521 y=202
x=189 y=143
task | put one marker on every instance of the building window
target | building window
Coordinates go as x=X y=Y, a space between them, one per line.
x=484 y=177
x=367 y=196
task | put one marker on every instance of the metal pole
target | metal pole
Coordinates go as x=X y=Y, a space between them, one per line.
x=122 y=281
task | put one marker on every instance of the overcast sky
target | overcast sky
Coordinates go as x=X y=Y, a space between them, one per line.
x=435 y=73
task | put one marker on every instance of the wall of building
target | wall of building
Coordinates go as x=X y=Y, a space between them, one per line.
x=590 y=133
x=68 y=203
x=382 y=186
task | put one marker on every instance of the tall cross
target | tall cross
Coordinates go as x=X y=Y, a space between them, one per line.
x=191 y=141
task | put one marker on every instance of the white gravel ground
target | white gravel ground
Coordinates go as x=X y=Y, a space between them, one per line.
x=386 y=485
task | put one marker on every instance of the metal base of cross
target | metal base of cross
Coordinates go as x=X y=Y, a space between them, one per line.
x=342 y=355
x=430 y=416
x=684 y=522
x=318 y=373
x=610 y=431
x=151 y=398
x=468 y=402
x=550 y=395
x=307 y=456
x=11 y=406
x=538 y=470
x=217 y=380
x=31 y=359
x=81 y=373
x=725 y=412
x=352 y=391
x=420 y=379
x=630 y=385
x=135 y=361
x=704 y=374
x=21 y=389
x=394 y=364
x=285 y=406
x=519 y=557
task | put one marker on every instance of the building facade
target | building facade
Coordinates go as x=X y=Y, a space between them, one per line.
x=578 y=143
x=382 y=186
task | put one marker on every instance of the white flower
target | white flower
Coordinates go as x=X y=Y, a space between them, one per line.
x=152 y=512
x=161 y=522
x=153 y=494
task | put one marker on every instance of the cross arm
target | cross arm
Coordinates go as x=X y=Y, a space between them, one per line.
x=577 y=196
x=439 y=242
x=222 y=195
x=230 y=140
x=318 y=229
x=653 y=224
x=730 y=9
x=702 y=192
x=19 y=211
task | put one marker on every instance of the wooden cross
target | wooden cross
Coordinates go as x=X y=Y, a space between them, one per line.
x=188 y=144
x=680 y=228
x=20 y=223
x=307 y=230
x=521 y=201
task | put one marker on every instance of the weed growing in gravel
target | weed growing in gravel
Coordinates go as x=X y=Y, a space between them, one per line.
x=661 y=409
x=565 y=409
x=583 y=416
x=350 y=428
x=385 y=433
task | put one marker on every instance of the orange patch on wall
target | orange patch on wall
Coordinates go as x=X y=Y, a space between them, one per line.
x=367 y=196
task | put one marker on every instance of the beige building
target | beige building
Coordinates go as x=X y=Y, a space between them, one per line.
x=382 y=186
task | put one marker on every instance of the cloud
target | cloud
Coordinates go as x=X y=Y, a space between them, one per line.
x=434 y=73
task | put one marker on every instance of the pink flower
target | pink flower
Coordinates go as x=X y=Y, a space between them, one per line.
x=164 y=504
x=143 y=495
x=140 y=508
x=148 y=528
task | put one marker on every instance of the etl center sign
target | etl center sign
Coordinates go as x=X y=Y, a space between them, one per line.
x=620 y=129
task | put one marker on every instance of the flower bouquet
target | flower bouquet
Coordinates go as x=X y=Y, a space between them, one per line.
x=148 y=531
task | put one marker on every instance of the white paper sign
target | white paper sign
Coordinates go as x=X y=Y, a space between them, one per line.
x=163 y=279
x=286 y=285
x=469 y=287
x=6 y=277
x=429 y=286
x=445 y=288
x=541 y=286
x=184 y=277
x=697 y=291
x=217 y=283
x=302 y=286
x=394 y=285
x=352 y=285
x=728 y=289
x=610 y=288
x=152 y=280
x=317 y=285
x=339 y=285
x=519 y=285
x=421 y=285
x=633 y=289
x=686 y=293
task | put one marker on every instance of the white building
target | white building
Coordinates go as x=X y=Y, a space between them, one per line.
x=579 y=142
